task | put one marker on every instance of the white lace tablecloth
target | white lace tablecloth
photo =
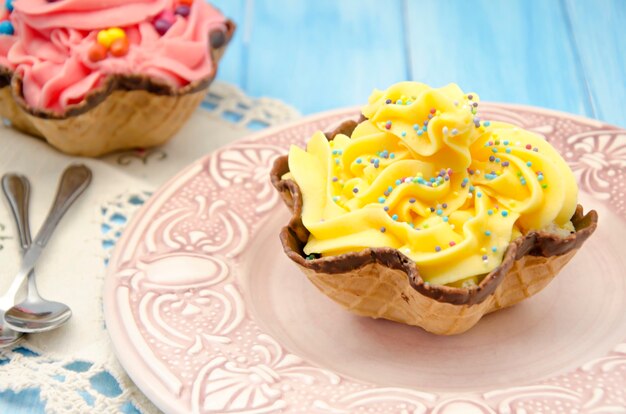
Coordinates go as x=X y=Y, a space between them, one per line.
x=73 y=369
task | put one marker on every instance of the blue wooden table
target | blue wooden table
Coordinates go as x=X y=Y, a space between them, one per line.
x=568 y=55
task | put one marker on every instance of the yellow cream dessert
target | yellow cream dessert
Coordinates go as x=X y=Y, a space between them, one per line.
x=449 y=193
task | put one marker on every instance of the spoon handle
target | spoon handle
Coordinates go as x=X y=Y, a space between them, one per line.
x=75 y=180
x=17 y=191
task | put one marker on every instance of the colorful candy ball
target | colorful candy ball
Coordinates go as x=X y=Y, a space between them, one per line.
x=6 y=28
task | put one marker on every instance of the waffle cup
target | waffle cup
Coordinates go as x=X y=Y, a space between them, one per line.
x=125 y=112
x=384 y=283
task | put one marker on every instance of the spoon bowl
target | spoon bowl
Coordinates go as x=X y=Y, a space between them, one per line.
x=8 y=336
x=37 y=315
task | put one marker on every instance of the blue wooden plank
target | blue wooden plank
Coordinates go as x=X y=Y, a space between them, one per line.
x=509 y=51
x=324 y=54
x=232 y=66
x=599 y=30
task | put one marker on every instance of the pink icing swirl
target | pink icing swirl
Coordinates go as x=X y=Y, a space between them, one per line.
x=52 y=41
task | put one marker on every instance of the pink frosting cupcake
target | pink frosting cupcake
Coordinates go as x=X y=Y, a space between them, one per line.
x=96 y=76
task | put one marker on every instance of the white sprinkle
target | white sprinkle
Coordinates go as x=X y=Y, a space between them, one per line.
x=455 y=131
x=445 y=130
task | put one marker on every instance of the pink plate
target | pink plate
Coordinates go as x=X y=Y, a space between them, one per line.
x=207 y=315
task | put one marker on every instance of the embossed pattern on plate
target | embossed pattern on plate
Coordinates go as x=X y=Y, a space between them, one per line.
x=188 y=328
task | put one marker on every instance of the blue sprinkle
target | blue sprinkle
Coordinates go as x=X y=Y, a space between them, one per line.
x=416 y=127
x=390 y=188
x=508 y=150
x=471 y=189
x=336 y=198
x=487 y=233
x=381 y=200
x=9 y=5
x=408 y=103
x=392 y=155
x=506 y=142
x=505 y=213
x=486 y=123
x=425 y=128
x=523 y=181
x=6 y=28
x=497 y=160
x=490 y=212
x=403 y=133
x=529 y=164
x=445 y=219
x=494 y=150
x=432 y=179
x=540 y=177
x=439 y=212
x=479 y=195
x=398 y=182
x=394 y=217
x=358 y=161
x=494 y=249
x=420 y=133
x=337 y=161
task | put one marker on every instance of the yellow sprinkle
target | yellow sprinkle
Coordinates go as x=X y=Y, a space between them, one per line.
x=104 y=38
x=437 y=112
x=420 y=175
x=499 y=173
x=483 y=250
x=116 y=33
x=456 y=193
x=435 y=185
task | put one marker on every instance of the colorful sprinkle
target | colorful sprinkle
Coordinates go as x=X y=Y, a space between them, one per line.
x=182 y=10
x=439 y=212
x=437 y=248
x=486 y=123
x=494 y=249
x=359 y=161
x=487 y=233
x=504 y=213
x=386 y=208
x=381 y=200
x=394 y=217
x=383 y=229
x=388 y=125
x=452 y=244
x=335 y=179
x=444 y=205
x=528 y=146
x=490 y=212
x=411 y=200
x=529 y=164
x=445 y=219
x=485 y=257
x=355 y=190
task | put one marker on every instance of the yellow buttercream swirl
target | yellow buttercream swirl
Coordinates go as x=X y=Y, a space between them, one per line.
x=423 y=174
